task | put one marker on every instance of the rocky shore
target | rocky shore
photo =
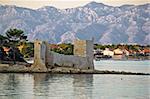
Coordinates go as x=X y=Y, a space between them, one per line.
x=29 y=68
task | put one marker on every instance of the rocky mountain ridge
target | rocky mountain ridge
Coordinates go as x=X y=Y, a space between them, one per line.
x=106 y=24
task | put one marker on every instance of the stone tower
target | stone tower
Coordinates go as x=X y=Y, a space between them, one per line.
x=84 y=48
x=39 y=56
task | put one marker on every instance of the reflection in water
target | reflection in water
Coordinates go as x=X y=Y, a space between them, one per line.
x=82 y=86
x=15 y=86
x=75 y=86
x=53 y=85
x=40 y=85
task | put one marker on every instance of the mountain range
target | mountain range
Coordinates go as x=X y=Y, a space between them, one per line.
x=106 y=24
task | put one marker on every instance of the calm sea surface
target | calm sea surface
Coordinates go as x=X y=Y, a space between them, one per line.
x=75 y=86
x=118 y=65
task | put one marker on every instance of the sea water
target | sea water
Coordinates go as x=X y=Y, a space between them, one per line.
x=80 y=86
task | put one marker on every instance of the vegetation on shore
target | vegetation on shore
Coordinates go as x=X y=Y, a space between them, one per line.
x=135 y=47
x=66 y=49
x=9 y=46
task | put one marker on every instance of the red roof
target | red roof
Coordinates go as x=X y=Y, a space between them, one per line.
x=146 y=50
x=53 y=46
x=6 y=49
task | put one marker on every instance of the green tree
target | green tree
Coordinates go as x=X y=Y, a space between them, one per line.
x=15 y=36
x=3 y=40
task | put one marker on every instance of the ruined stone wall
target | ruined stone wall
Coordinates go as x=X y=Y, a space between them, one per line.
x=83 y=58
x=89 y=52
x=70 y=61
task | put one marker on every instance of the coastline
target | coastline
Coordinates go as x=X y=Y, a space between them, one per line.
x=18 y=68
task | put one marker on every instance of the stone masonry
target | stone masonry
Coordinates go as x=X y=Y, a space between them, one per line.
x=82 y=58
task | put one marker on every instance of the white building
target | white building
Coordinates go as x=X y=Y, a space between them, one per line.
x=108 y=52
x=118 y=51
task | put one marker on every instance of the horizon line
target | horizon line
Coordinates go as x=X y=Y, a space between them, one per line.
x=71 y=7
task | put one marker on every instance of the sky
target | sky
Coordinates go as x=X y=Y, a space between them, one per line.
x=62 y=4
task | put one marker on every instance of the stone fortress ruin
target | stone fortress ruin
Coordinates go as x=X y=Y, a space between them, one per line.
x=47 y=61
x=82 y=58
